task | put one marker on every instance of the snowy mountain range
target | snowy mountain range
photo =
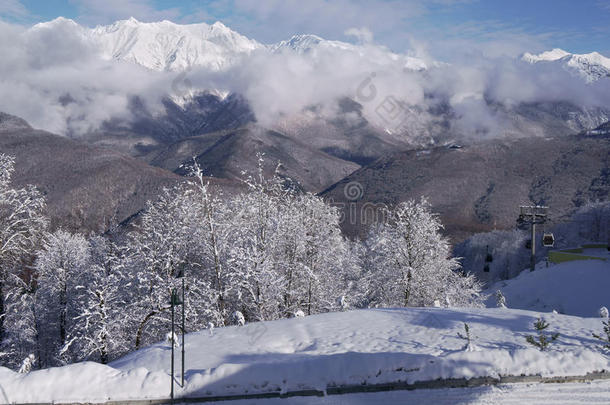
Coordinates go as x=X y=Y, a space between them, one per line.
x=590 y=66
x=166 y=46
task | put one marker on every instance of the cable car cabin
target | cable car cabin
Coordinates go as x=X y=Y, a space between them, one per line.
x=548 y=240
x=528 y=244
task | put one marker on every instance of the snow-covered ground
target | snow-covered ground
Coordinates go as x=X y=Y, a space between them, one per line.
x=364 y=346
x=574 y=288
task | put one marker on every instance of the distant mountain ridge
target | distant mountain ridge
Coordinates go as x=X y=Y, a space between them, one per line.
x=591 y=66
x=479 y=187
x=87 y=188
x=164 y=46
x=167 y=46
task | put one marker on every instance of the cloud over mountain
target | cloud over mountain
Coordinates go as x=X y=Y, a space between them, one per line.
x=69 y=79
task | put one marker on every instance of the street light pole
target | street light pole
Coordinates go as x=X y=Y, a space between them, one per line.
x=183 y=330
x=174 y=300
x=172 y=342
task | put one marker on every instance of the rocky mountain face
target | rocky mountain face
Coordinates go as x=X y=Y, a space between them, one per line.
x=147 y=133
x=228 y=154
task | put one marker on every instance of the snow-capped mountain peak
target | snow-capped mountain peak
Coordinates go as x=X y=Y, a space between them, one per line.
x=55 y=22
x=165 y=45
x=551 y=55
x=590 y=66
x=305 y=43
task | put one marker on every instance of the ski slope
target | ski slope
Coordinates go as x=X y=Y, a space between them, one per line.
x=355 y=347
x=573 y=288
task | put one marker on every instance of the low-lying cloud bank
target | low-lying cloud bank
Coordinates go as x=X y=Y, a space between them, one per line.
x=56 y=78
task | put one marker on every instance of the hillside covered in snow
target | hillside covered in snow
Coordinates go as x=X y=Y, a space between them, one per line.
x=577 y=288
x=334 y=349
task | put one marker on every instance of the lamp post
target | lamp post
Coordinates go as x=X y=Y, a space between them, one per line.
x=174 y=300
x=181 y=275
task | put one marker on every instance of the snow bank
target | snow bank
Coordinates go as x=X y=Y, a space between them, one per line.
x=357 y=347
x=82 y=381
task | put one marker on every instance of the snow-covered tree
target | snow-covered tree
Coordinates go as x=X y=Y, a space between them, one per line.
x=256 y=233
x=101 y=326
x=414 y=267
x=589 y=223
x=21 y=336
x=166 y=245
x=61 y=265
x=603 y=312
x=237 y=318
x=500 y=299
x=22 y=225
x=214 y=230
x=26 y=365
x=505 y=247
x=172 y=339
x=327 y=265
x=605 y=339
x=289 y=252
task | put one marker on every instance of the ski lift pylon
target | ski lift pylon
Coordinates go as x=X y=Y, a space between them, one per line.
x=488 y=257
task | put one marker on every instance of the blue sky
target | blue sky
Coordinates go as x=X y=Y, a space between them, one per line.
x=440 y=26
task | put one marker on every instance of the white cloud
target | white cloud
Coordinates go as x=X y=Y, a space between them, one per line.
x=603 y=4
x=364 y=35
x=13 y=9
x=274 y=20
x=55 y=79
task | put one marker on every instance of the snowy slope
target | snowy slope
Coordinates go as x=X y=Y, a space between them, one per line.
x=371 y=346
x=575 y=288
x=591 y=66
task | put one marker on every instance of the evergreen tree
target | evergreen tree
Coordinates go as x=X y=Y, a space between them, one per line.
x=542 y=341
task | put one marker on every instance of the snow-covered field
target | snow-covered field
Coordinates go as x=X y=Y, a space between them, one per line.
x=574 y=288
x=364 y=346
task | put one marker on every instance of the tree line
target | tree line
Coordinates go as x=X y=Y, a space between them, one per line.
x=268 y=252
